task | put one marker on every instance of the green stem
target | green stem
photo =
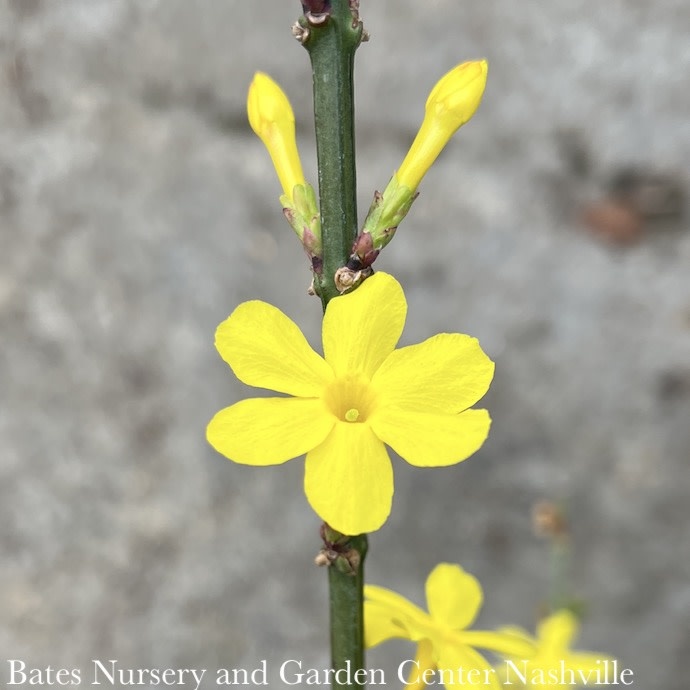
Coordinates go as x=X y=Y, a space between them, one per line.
x=332 y=49
x=332 y=45
x=560 y=566
x=347 y=618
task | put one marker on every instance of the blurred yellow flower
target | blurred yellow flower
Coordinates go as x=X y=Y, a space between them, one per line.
x=271 y=118
x=554 y=664
x=444 y=645
x=346 y=405
x=451 y=103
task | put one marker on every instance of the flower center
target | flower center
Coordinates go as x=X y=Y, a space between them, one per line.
x=352 y=415
x=350 y=398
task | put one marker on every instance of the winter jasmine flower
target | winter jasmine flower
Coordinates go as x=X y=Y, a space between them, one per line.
x=345 y=407
x=444 y=643
x=554 y=664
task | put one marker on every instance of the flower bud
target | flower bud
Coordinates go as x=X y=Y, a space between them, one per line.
x=271 y=118
x=451 y=103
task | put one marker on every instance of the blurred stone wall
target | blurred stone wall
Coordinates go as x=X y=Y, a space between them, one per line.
x=137 y=209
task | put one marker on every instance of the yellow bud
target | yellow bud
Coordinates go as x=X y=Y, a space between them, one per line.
x=272 y=119
x=451 y=103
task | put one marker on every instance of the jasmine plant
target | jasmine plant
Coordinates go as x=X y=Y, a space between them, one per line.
x=344 y=408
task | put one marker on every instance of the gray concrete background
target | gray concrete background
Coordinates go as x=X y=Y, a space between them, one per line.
x=137 y=209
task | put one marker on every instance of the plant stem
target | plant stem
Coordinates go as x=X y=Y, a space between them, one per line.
x=332 y=45
x=559 y=576
x=347 y=618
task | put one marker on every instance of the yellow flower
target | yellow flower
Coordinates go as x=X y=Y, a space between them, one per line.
x=554 y=664
x=272 y=119
x=444 y=644
x=346 y=405
x=451 y=103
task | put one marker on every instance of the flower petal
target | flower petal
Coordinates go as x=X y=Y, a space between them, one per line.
x=557 y=632
x=507 y=642
x=446 y=373
x=361 y=329
x=266 y=349
x=349 y=479
x=453 y=596
x=269 y=431
x=431 y=440
x=380 y=625
x=424 y=662
x=401 y=613
x=460 y=666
